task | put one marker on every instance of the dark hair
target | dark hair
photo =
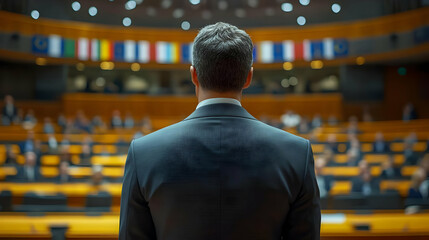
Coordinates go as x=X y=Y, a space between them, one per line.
x=222 y=57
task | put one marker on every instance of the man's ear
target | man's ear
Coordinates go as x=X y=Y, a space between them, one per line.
x=248 y=79
x=194 y=76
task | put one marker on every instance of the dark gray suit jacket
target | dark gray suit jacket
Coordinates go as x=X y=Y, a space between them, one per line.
x=220 y=174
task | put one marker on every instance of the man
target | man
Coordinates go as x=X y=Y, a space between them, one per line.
x=220 y=173
x=30 y=172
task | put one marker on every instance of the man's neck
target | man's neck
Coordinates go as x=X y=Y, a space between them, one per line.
x=203 y=95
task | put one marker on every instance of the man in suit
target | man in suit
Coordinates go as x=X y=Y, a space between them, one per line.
x=220 y=173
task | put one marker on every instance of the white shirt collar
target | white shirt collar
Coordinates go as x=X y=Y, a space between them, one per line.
x=218 y=100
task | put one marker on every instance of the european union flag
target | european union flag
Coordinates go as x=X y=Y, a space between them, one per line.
x=341 y=47
x=317 y=50
x=119 y=51
x=39 y=44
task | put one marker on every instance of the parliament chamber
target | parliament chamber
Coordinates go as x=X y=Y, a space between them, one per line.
x=75 y=96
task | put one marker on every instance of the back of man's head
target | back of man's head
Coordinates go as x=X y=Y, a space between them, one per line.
x=222 y=57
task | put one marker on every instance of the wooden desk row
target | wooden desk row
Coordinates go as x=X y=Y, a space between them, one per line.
x=334 y=226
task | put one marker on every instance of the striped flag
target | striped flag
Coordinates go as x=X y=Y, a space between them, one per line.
x=161 y=52
x=119 y=51
x=106 y=50
x=266 y=53
x=83 y=49
x=55 y=46
x=130 y=51
x=186 y=53
x=302 y=50
x=68 y=48
x=143 y=51
x=95 y=50
x=288 y=51
x=152 y=52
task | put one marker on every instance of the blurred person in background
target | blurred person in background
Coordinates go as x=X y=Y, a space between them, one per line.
x=329 y=156
x=147 y=124
x=409 y=113
x=379 y=145
x=317 y=121
x=28 y=144
x=128 y=120
x=19 y=118
x=47 y=126
x=332 y=120
x=365 y=183
x=62 y=121
x=10 y=158
x=304 y=126
x=9 y=111
x=86 y=155
x=64 y=173
x=424 y=164
x=353 y=128
x=331 y=143
x=52 y=144
x=366 y=116
x=81 y=122
x=390 y=170
x=30 y=118
x=290 y=119
x=411 y=157
x=97 y=122
x=65 y=155
x=29 y=172
x=353 y=157
x=97 y=178
x=325 y=182
x=116 y=120
x=418 y=190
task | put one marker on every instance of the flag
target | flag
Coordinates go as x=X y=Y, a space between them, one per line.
x=278 y=52
x=266 y=53
x=130 y=51
x=341 y=47
x=161 y=52
x=328 y=48
x=54 y=46
x=175 y=52
x=186 y=53
x=39 y=44
x=152 y=52
x=95 y=50
x=288 y=51
x=68 y=48
x=143 y=52
x=106 y=50
x=83 y=49
x=316 y=50
x=119 y=51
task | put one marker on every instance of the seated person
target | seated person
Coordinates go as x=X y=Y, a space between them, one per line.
x=332 y=143
x=364 y=183
x=64 y=173
x=379 y=145
x=116 y=121
x=390 y=171
x=353 y=158
x=47 y=126
x=97 y=178
x=411 y=157
x=9 y=110
x=324 y=182
x=418 y=192
x=30 y=172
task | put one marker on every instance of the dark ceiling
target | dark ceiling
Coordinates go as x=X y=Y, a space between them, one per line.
x=243 y=13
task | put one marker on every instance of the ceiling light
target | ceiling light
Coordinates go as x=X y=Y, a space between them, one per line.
x=304 y=2
x=336 y=8
x=178 y=13
x=287 y=7
x=222 y=5
x=194 y=2
x=130 y=5
x=76 y=6
x=35 y=14
x=301 y=20
x=92 y=11
x=186 y=25
x=293 y=81
x=126 y=21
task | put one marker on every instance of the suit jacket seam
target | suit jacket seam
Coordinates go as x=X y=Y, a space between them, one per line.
x=187 y=119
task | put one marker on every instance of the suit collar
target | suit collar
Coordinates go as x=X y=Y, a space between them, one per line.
x=220 y=110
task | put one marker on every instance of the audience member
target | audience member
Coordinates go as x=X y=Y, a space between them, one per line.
x=353 y=128
x=97 y=178
x=317 y=121
x=332 y=120
x=10 y=158
x=353 y=158
x=47 y=126
x=30 y=172
x=366 y=116
x=81 y=122
x=390 y=171
x=417 y=191
x=19 y=118
x=304 y=126
x=365 y=183
x=52 y=144
x=329 y=156
x=86 y=155
x=324 y=182
x=290 y=119
x=331 y=143
x=116 y=121
x=62 y=121
x=409 y=113
x=411 y=157
x=64 y=173
x=9 y=111
x=147 y=124
x=28 y=144
x=30 y=118
x=379 y=145
x=128 y=121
